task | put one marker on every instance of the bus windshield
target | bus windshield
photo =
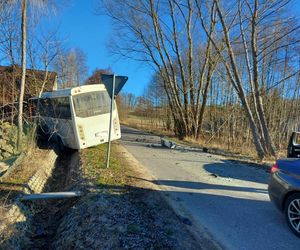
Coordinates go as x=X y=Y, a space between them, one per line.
x=91 y=104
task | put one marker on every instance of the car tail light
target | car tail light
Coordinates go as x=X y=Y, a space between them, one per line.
x=274 y=168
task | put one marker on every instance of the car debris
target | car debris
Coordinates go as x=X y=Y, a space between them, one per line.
x=167 y=143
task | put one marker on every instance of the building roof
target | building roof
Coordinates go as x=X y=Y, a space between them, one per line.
x=36 y=80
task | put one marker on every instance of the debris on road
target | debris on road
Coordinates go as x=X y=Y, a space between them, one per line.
x=167 y=143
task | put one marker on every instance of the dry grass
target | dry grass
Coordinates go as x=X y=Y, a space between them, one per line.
x=11 y=226
x=146 y=124
x=238 y=149
x=4 y=222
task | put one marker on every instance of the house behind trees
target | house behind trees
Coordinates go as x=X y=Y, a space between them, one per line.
x=10 y=79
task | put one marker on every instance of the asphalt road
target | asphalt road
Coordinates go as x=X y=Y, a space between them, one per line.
x=229 y=199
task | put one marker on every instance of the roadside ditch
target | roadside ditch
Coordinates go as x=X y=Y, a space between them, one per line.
x=31 y=225
x=47 y=214
x=119 y=209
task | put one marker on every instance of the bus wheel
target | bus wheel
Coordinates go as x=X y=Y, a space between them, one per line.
x=41 y=135
x=58 y=146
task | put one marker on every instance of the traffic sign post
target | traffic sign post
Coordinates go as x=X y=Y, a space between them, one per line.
x=110 y=119
x=113 y=84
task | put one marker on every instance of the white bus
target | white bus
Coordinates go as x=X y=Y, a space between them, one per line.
x=77 y=117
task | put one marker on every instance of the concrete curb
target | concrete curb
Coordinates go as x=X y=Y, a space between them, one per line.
x=37 y=182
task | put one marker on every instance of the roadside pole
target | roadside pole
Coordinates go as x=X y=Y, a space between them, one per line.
x=110 y=119
x=113 y=85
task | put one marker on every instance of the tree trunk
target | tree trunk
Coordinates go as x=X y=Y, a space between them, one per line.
x=22 y=87
x=210 y=71
x=266 y=139
x=237 y=83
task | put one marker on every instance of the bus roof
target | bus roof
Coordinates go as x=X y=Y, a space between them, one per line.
x=73 y=91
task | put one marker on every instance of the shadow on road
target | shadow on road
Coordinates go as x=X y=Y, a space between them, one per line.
x=232 y=219
x=245 y=172
x=201 y=185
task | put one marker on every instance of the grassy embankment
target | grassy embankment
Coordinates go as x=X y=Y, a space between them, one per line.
x=94 y=166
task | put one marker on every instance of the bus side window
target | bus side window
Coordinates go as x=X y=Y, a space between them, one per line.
x=66 y=108
x=41 y=106
x=46 y=107
x=61 y=107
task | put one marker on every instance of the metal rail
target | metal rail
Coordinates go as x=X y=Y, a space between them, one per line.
x=51 y=196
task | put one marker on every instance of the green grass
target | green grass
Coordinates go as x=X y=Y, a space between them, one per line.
x=94 y=165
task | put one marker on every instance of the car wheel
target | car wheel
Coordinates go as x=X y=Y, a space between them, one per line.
x=292 y=213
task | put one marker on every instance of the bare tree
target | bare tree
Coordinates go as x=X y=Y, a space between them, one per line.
x=23 y=7
x=166 y=35
x=9 y=53
x=22 y=87
x=42 y=52
x=71 y=67
x=242 y=25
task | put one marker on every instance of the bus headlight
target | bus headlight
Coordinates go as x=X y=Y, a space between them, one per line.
x=81 y=132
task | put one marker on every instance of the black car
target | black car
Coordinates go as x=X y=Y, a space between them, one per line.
x=284 y=190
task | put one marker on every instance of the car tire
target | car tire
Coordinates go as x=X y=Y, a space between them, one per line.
x=292 y=213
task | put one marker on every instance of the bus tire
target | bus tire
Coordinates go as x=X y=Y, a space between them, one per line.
x=61 y=145
x=41 y=135
x=58 y=146
x=42 y=139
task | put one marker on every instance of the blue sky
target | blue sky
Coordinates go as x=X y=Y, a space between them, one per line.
x=81 y=27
